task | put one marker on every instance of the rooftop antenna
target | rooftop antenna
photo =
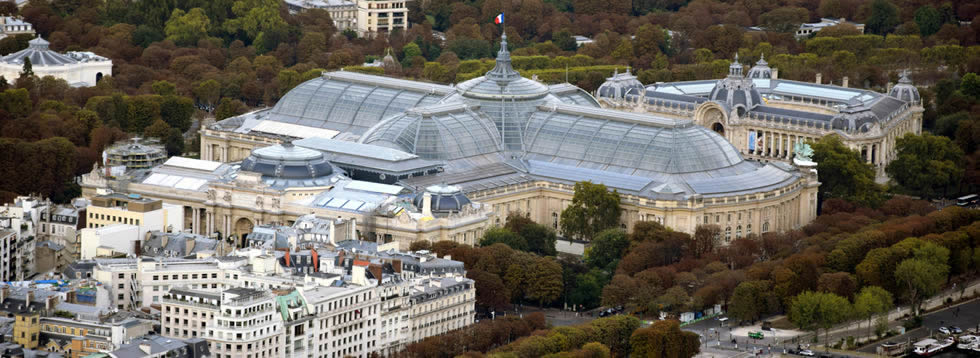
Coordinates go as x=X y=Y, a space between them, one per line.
x=566 y=73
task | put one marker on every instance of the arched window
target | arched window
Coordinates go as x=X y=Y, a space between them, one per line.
x=738 y=232
x=765 y=227
x=728 y=234
x=748 y=229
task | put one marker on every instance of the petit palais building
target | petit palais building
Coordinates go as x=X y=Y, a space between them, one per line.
x=407 y=160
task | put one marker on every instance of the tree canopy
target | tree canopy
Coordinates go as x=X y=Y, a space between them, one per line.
x=927 y=165
x=844 y=173
x=594 y=208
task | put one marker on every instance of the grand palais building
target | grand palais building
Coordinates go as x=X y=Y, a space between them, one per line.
x=411 y=160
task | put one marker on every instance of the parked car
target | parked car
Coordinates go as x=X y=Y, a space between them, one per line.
x=756 y=335
x=807 y=353
x=944 y=330
x=955 y=329
x=607 y=312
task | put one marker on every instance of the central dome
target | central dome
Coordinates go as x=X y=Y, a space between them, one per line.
x=502 y=82
x=287 y=161
x=506 y=97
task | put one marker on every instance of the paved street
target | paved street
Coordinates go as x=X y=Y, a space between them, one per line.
x=968 y=317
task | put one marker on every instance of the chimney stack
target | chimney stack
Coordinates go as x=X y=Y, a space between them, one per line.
x=189 y=245
x=30 y=296
x=427 y=204
x=775 y=73
x=330 y=233
x=4 y=293
x=819 y=78
x=844 y=82
x=50 y=303
x=352 y=230
x=888 y=89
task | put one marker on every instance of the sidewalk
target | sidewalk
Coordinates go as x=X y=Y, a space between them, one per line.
x=859 y=329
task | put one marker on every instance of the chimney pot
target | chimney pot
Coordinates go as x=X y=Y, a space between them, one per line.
x=819 y=78
x=844 y=82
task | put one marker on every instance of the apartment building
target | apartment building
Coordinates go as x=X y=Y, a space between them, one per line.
x=237 y=322
x=367 y=17
x=75 y=338
x=346 y=320
x=18 y=250
x=133 y=209
x=440 y=305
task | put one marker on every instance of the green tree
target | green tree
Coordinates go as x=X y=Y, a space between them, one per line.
x=177 y=111
x=624 y=51
x=174 y=142
x=503 y=236
x=229 y=108
x=920 y=279
x=615 y=332
x=970 y=85
x=27 y=70
x=664 y=339
x=750 y=300
x=256 y=19
x=606 y=249
x=564 y=40
x=814 y=310
x=594 y=209
x=186 y=28
x=884 y=17
x=871 y=301
x=410 y=50
x=207 y=92
x=784 y=19
x=926 y=164
x=844 y=173
x=545 y=284
x=159 y=129
x=928 y=19
x=16 y=102
x=540 y=239
x=164 y=88
x=141 y=112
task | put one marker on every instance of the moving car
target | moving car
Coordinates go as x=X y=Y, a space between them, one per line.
x=944 y=330
x=756 y=335
x=955 y=329
x=807 y=353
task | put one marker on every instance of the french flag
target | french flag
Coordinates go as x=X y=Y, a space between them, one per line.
x=499 y=19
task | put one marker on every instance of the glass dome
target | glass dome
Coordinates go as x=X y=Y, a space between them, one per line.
x=287 y=161
x=438 y=132
x=506 y=97
x=444 y=198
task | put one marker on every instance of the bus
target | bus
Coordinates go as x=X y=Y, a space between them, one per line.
x=967 y=201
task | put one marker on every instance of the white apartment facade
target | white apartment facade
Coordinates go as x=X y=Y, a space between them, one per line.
x=367 y=17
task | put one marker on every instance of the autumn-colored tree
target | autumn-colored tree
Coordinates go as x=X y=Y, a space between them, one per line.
x=664 y=339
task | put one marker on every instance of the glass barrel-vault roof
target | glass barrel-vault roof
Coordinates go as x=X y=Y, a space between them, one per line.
x=352 y=102
x=438 y=132
x=625 y=142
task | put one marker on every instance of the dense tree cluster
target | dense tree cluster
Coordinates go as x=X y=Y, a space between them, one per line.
x=617 y=336
x=903 y=249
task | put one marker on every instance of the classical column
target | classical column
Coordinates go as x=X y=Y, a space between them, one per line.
x=195 y=221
